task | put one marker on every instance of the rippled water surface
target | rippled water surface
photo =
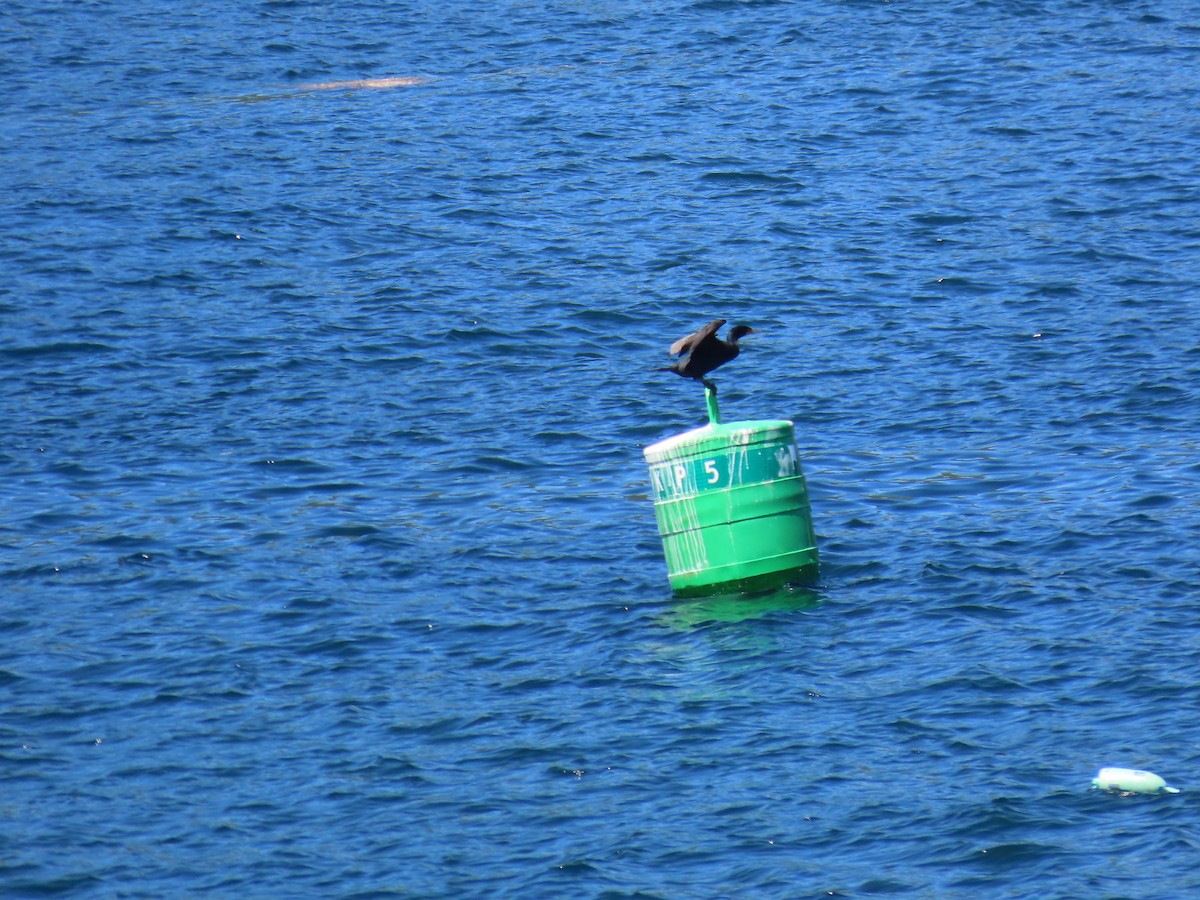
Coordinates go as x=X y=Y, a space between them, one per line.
x=327 y=556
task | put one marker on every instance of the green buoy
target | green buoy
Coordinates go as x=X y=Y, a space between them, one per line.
x=732 y=506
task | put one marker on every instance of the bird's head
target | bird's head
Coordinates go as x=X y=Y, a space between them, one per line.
x=737 y=332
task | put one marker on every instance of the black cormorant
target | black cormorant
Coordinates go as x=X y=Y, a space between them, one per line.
x=703 y=351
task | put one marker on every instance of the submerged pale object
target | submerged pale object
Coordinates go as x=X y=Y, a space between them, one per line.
x=1131 y=781
x=404 y=81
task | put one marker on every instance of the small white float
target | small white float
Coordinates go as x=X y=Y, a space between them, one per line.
x=1131 y=781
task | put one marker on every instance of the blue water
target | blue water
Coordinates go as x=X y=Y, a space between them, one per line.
x=328 y=563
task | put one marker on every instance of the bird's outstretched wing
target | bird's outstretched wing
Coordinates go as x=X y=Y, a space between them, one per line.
x=684 y=344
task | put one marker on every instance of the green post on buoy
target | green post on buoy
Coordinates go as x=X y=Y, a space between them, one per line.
x=714 y=411
x=732 y=506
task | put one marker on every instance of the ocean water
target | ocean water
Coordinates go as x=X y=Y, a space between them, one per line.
x=328 y=565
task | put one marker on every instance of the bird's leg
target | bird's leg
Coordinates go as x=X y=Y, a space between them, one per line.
x=708 y=384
